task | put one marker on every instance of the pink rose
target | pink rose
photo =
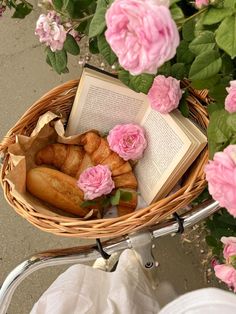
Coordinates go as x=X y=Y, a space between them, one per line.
x=128 y=141
x=142 y=34
x=227 y=274
x=2 y=9
x=221 y=177
x=96 y=181
x=201 y=3
x=229 y=247
x=230 y=100
x=50 y=31
x=165 y=94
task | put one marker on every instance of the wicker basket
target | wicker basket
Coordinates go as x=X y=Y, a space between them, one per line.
x=59 y=100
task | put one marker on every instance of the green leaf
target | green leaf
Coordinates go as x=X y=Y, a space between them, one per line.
x=227 y=65
x=71 y=46
x=215 y=15
x=230 y=4
x=93 y=45
x=84 y=27
x=226 y=36
x=206 y=84
x=188 y=30
x=98 y=23
x=218 y=92
x=52 y=59
x=48 y=61
x=115 y=199
x=61 y=60
x=125 y=196
x=176 y=12
x=202 y=43
x=211 y=241
x=22 y=9
x=179 y=71
x=183 y=105
x=105 y=50
x=68 y=6
x=184 y=55
x=88 y=204
x=205 y=66
x=221 y=131
x=140 y=83
x=165 y=69
x=57 y=4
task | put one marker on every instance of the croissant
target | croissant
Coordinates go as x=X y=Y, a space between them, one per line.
x=91 y=151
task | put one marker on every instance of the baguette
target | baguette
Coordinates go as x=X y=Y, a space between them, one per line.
x=57 y=189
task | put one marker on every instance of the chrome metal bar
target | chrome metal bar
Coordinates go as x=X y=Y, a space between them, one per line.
x=88 y=253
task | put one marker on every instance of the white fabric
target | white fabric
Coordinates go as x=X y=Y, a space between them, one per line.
x=203 y=301
x=85 y=290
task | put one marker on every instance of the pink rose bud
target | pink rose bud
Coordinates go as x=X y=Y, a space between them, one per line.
x=227 y=274
x=142 y=34
x=201 y=3
x=165 y=94
x=50 y=31
x=229 y=247
x=221 y=174
x=96 y=181
x=230 y=100
x=128 y=141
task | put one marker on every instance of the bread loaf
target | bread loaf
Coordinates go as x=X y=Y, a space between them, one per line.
x=56 y=188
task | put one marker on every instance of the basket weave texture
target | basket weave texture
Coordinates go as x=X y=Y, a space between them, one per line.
x=59 y=100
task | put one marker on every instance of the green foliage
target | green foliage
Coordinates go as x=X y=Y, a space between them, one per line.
x=22 y=9
x=176 y=12
x=183 y=105
x=203 y=43
x=58 y=60
x=93 y=45
x=219 y=225
x=221 y=131
x=215 y=15
x=184 y=55
x=107 y=201
x=140 y=83
x=188 y=30
x=105 y=50
x=98 y=22
x=205 y=65
x=71 y=46
x=226 y=35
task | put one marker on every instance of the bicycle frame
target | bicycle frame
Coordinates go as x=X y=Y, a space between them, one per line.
x=83 y=254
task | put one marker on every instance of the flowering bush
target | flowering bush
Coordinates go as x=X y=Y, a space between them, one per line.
x=152 y=45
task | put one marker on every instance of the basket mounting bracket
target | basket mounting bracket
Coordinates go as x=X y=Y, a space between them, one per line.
x=142 y=243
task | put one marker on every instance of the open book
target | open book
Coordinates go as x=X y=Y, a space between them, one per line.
x=174 y=142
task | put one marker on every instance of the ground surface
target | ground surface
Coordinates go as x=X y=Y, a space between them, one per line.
x=24 y=77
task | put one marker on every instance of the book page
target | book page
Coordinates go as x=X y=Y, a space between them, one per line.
x=167 y=146
x=101 y=104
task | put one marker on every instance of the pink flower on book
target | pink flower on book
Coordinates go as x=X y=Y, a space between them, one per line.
x=128 y=141
x=142 y=34
x=96 y=181
x=201 y=3
x=227 y=274
x=221 y=177
x=50 y=31
x=230 y=100
x=165 y=94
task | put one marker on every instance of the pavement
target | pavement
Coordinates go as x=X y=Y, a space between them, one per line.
x=24 y=77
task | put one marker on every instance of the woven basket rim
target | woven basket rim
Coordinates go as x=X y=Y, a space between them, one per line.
x=61 y=97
